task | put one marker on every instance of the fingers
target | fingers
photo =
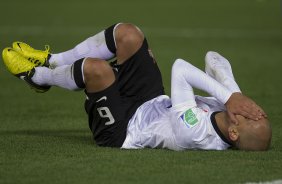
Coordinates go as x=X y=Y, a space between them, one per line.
x=233 y=118
x=257 y=111
x=251 y=113
x=239 y=104
x=261 y=111
x=248 y=114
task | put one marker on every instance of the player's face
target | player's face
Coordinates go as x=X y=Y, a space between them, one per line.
x=249 y=123
x=244 y=122
x=243 y=119
x=255 y=135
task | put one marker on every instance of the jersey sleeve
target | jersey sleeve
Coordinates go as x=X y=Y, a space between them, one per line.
x=185 y=76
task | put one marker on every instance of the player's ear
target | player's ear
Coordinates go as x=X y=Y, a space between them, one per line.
x=233 y=133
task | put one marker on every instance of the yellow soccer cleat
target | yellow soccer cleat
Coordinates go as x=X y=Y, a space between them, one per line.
x=22 y=68
x=38 y=57
x=15 y=62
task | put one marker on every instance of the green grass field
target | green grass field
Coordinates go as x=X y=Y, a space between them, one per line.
x=44 y=138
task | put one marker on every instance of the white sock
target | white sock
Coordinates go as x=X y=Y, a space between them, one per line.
x=94 y=47
x=61 y=76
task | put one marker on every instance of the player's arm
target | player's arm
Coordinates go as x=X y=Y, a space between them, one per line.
x=219 y=68
x=182 y=94
x=240 y=104
x=185 y=76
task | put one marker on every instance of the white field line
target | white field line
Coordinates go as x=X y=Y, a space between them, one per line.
x=152 y=31
x=266 y=182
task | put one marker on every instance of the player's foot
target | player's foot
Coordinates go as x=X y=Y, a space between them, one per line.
x=218 y=67
x=38 y=57
x=22 y=68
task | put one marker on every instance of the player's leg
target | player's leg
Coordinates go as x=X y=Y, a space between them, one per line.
x=128 y=40
x=125 y=41
x=106 y=109
x=62 y=76
x=137 y=80
x=97 y=75
x=92 y=74
x=120 y=41
x=104 y=105
x=220 y=69
x=94 y=46
x=70 y=77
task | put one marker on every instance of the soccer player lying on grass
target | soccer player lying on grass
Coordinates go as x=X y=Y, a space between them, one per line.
x=125 y=100
x=195 y=122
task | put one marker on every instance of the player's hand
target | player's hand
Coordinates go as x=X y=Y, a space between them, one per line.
x=239 y=104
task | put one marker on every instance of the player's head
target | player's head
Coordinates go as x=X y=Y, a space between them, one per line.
x=251 y=135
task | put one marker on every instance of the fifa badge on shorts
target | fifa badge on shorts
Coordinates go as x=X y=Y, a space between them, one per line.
x=189 y=118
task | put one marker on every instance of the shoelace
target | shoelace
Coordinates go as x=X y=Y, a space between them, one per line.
x=47 y=48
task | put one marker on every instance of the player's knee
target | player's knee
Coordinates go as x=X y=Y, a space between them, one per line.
x=129 y=34
x=95 y=69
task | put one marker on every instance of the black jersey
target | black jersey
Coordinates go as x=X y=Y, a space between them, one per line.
x=137 y=80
